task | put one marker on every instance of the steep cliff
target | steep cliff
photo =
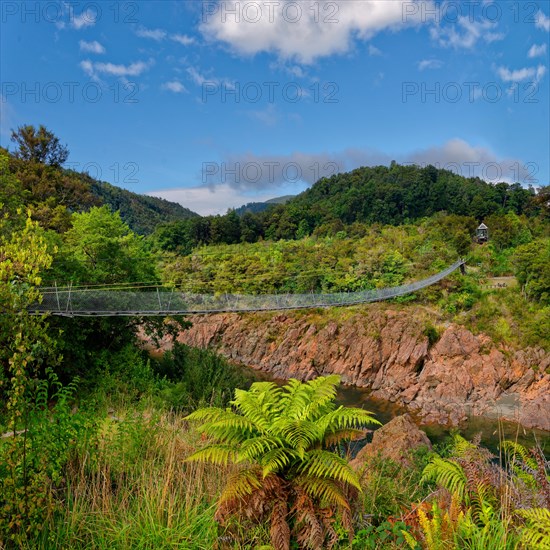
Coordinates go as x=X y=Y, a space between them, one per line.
x=388 y=350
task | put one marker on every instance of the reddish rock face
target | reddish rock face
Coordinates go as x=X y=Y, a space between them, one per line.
x=387 y=351
x=395 y=440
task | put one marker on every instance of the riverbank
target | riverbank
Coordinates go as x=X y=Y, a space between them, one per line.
x=443 y=374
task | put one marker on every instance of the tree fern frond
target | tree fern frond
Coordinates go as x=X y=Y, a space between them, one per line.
x=254 y=449
x=346 y=417
x=215 y=454
x=320 y=463
x=299 y=434
x=322 y=392
x=261 y=403
x=228 y=425
x=343 y=435
x=448 y=474
x=209 y=414
x=280 y=530
x=295 y=398
x=323 y=489
x=275 y=460
x=241 y=484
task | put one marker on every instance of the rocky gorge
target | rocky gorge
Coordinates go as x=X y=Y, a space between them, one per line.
x=440 y=379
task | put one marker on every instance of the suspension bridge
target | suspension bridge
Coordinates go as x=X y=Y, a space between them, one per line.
x=133 y=301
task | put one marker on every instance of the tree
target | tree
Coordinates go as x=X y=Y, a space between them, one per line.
x=39 y=145
x=281 y=441
x=103 y=249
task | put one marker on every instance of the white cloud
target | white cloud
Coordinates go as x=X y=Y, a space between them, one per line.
x=91 y=47
x=87 y=18
x=133 y=69
x=536 y=51
x=465 y=34
x=308 y=29
x=519 y=75
x=374 y=51
x=196 y=77
x=182 y=39
x=542 y=21
x=174 y=86
x=199 y=79
x=430 y=64
x=211 y=200
x=153 y=34
x=159 y=35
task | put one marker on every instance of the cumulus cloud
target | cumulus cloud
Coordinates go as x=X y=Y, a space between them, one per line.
x=91 y=47
x=542 y=21
x=93 y=69
x=304 y=30
x=536 y=50
x=174 y=86
x=430 y=64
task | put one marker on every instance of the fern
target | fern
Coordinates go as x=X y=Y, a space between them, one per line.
x=536 y=533
x=448 y=474
x=281 y=436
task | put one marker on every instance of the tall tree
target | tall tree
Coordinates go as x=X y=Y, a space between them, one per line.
x=39 y=145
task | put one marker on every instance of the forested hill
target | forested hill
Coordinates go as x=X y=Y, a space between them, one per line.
x=395 y=195
x=141 y=212
x=53 y=193
x=348 y=202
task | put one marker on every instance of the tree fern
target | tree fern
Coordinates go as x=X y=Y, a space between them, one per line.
x=281 y=436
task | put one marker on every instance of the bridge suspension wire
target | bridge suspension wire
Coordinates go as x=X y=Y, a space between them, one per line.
x=164 y=301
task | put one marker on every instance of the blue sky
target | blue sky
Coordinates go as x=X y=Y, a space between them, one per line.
x=214 y=104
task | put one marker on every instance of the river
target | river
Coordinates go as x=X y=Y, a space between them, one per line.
x=491 y=430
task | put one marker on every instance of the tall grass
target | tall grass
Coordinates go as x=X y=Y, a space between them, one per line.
x=129 y=487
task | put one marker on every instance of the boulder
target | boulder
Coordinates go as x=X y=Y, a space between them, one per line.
x=395 y=440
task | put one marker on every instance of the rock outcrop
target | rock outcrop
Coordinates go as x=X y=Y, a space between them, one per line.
x=395 y=440
x=387 y=350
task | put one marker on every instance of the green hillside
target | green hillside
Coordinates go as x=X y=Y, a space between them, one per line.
x=53 y=193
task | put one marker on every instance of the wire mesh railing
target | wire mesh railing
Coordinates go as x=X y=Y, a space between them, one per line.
x=164 y=301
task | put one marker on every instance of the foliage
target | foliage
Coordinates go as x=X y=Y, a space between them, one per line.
x=392 y=195
x=141 y=212
x=280 y=438
x=485 y=496
x=386 y=535
x=40 y=145
x=197 y=378
x=532 y=263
